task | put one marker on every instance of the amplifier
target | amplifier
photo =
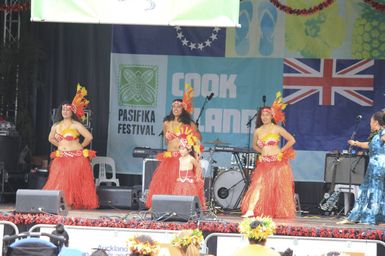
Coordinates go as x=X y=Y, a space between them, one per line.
x=149 y=166
x=345 y=165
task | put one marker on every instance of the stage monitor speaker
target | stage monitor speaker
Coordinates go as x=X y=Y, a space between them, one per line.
x=40 y=201
x=175 y=208
x=117 y=197
x=345 y=165
x=149 y=166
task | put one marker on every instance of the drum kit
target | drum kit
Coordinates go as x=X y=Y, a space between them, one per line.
x=225 y=187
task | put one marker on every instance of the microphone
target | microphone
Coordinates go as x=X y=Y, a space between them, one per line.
x=264 y=100
x=358 y=118
x=210 y=96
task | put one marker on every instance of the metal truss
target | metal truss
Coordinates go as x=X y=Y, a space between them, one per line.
x=11 y=24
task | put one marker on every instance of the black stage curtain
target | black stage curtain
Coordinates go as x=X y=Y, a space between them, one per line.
x=73 y=53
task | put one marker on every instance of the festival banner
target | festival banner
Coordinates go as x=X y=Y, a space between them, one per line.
x=143 y=87
x=137 y=107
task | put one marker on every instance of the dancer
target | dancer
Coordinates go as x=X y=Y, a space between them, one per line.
x=165 y=176
x=189 y=181
x=70 y=169
x=271 y=192
x=369 y=207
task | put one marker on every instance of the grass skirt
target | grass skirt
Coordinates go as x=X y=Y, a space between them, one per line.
x=164 y=179
x=72 y=173
x=271 y=190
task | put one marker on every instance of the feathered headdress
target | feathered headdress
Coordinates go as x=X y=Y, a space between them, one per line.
x=188 y=138
x=187 y=98
x=79 y=103
x=277 y=108
x=258 y=228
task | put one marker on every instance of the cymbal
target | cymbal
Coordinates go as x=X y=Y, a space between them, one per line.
x=216 y=142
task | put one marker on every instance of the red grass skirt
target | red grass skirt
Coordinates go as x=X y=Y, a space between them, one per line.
x=164 y=179
x=194 y=188
x=74 y=176
x=271 y=190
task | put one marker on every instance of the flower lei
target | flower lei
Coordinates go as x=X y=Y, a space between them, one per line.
x=258 y=228
x=187 y=237
x=305 y=11
x=375 y=5
x=142 y=248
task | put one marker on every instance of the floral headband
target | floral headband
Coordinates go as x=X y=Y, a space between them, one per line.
x=79 y=102
x=135 y=245
x=258 y=228
x=187 y=237
x=277 y=109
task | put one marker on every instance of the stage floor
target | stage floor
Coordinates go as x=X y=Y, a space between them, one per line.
x=304 y=221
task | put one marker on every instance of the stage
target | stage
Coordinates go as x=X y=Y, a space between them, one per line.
x=224 y=225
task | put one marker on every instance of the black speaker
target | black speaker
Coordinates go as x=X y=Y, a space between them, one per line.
x=345 y=165
x=117 y=197
x=149 y=166
x=40 y=201
x=175 y=208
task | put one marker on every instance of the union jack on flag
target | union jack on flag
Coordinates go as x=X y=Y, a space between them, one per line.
x=328 y=77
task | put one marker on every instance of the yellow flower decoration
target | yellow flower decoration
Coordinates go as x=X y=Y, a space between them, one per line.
x=57 y=153
x=187 y=237
x=143 y=247
x=258 y=228
x=86 y=153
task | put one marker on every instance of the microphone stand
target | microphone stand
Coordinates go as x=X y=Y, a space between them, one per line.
x=248 y=124
x=350 y=157
x=201 y=111
x=161 y=140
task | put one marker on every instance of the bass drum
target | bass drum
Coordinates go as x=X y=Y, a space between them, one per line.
x=229 y=187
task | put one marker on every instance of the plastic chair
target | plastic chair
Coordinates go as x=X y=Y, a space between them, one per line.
x=102 y=162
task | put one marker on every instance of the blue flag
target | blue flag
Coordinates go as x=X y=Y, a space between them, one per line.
x=327 y=97
x=159 y=40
